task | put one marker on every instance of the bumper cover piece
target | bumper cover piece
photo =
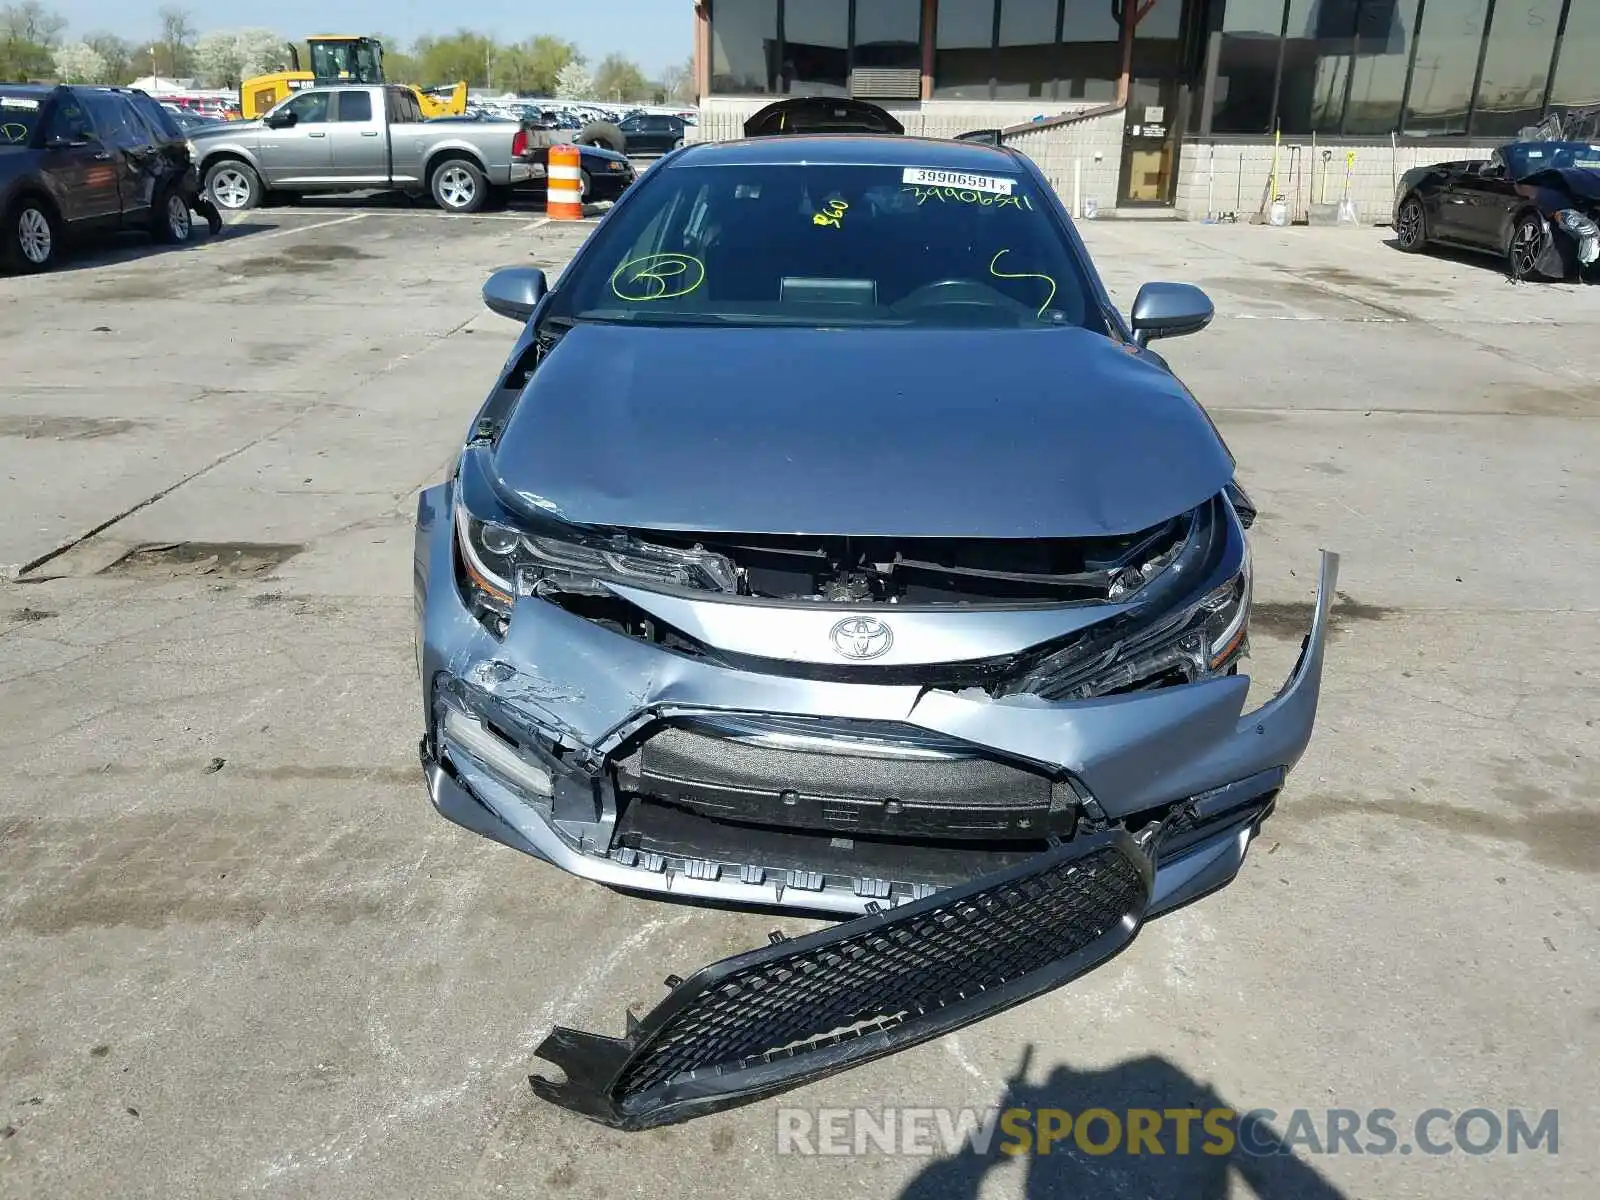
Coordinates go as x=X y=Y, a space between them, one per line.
x=772 y=1018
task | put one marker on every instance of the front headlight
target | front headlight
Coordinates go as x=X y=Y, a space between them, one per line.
x=1575 y=223
x=1190 y=642
x=500 y=563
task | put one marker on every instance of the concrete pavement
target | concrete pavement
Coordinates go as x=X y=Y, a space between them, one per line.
x=243 y=956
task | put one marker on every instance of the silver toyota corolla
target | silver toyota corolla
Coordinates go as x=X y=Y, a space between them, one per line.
x=830 y=543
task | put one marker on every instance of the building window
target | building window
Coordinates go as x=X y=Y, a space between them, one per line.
x=1157 y=39
x=889 y=34
x=1577 y=83
x=1025 y=61
x=1318 y=46
x=963 y=59
x=1247 y=66
x=805 y=48
x=744 y=47
x=1516 y=66
x=1446 y=63
x=1384 y=30
x=1091 y=52
x=816 y=48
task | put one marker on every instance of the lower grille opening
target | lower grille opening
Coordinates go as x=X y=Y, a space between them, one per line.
x=849 y=785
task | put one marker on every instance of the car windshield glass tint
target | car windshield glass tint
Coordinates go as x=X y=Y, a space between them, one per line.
x=833 y=245
x=1526 y=158
x=19 y=116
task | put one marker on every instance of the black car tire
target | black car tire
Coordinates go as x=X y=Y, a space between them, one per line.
x=1526 y=253
x=458 y=186
x=602 y=133
x=1411 y=225
x=233 y=185
x=32 y=239
x=586 y=194
x=171 y=222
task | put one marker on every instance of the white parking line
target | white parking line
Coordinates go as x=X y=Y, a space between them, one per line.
x=261 y=237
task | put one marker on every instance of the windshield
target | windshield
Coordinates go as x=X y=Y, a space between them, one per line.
x=832 y=245
x=19 y=116
x=1526 y=158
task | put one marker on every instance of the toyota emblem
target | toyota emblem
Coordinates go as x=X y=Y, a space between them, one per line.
x=862 y=637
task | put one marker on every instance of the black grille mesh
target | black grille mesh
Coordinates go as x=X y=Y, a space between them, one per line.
x=882 y=977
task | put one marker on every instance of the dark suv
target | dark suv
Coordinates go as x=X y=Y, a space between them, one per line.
x=81 y=159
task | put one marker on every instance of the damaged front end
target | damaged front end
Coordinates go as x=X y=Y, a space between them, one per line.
x=999 y=760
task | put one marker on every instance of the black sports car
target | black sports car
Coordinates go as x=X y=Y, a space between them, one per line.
x=1533 y=203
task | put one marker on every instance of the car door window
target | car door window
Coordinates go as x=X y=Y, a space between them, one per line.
x=631 y=125
x=163 y=125
x=309 y=108
x=115 y=121
x=354 y=106
x=68 y=122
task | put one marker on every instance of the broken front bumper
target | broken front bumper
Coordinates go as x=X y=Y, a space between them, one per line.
x=565 y=695
x=800 y=1009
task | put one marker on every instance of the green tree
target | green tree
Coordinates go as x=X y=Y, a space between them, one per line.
x=398 y=65
x=174 y=49
x=679 y=83
x=545 y=57
x=118 y=54
x=462 y=55
x=619 y=79
x=29 y=34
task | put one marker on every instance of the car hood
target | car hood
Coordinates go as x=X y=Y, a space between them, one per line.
x=930 y=433
x=226 y=129
x=1576 y=181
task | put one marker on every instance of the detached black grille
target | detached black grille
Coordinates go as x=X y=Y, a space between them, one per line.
x=882 y=977
x=767 y=1020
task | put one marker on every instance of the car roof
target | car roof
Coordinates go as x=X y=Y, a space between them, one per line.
x=849 y=149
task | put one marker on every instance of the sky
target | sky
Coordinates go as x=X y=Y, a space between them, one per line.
x=654 y=33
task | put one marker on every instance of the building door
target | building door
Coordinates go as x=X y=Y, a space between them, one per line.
x=1150 y=144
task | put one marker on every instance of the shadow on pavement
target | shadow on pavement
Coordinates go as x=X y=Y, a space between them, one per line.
x=119 y=249
x=1067 y=1172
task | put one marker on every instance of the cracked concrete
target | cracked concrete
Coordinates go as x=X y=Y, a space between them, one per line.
x=243 y=956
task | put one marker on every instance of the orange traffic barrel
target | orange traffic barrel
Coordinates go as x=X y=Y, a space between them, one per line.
x=564 y=201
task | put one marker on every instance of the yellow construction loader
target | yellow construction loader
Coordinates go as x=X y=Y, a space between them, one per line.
x=340 y=59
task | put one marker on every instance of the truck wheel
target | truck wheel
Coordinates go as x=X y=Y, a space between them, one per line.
x=233 y=185
x=602 y=133
x=32 y=236
x=170 y=220
x=459 y=186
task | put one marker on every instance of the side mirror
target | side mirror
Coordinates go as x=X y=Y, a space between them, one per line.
x=281 y=120
x=514 y=292
x=1163 y=310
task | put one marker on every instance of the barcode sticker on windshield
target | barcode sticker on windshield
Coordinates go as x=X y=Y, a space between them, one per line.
x=17 y=102
x=928 y=177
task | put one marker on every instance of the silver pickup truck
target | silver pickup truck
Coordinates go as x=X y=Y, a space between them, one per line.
x=346 y=139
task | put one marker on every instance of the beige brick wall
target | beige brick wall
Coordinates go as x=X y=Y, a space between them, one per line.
x=1216 y=179
x=1089 y=151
